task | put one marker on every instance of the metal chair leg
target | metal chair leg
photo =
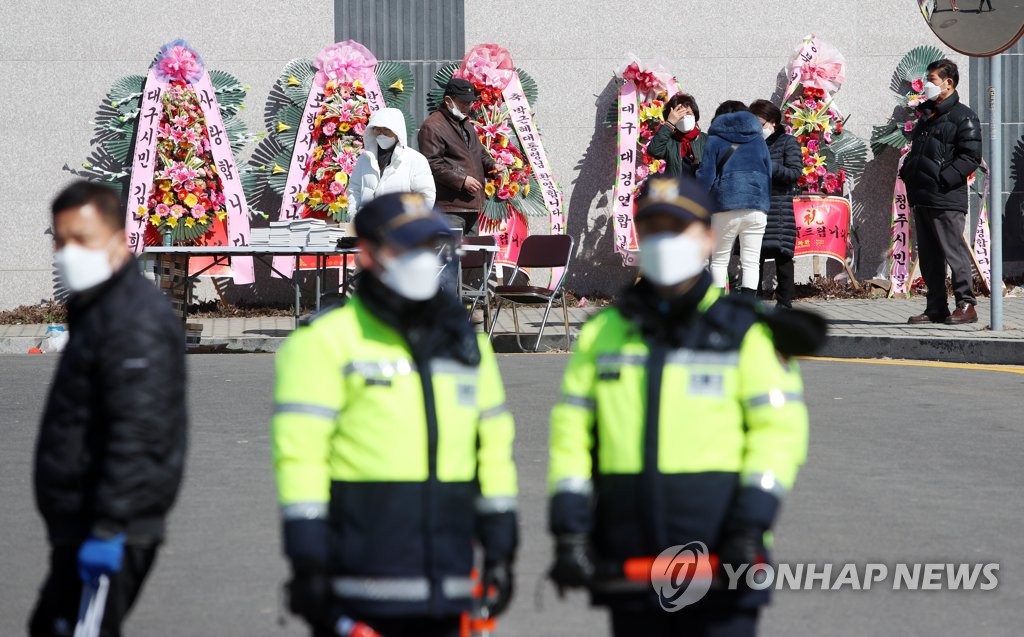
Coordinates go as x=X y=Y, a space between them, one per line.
x=494 y=320
x=543 y=323
x=565 y=319
x=515 y=322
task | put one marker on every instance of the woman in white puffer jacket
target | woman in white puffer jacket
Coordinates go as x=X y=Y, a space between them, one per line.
x=387 y=164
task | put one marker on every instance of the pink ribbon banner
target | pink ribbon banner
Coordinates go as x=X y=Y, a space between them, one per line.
x=899 y=247
x=144 y=165
x=230 y=179
x=982 y=239
x=526 y=129
x=805 y=55
x=144 y=161
x=625 y=174
x=345 y=62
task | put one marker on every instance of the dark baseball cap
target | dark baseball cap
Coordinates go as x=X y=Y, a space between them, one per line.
x=461 y=89
x=681 y=197
x=401 y=219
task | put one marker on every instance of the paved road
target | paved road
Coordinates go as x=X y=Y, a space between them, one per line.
x=906 y=464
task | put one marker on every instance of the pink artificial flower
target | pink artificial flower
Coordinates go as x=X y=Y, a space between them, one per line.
x=177 y=61
x=336 y=188
x=487 y=65
x=642 y=172
x=346 y=61
x=177 y=211
x=162 y=210
x=178 y=135
x=812 y=146
x=908 y=125
x=831 y=183
x=180 y=121
x=504 y=193
x=917 y=85
x=198 y=211
x=809 y=161
x=820 y=171
x=359 y=128
x=914 y=101
x=827 y=137
x=330 y=128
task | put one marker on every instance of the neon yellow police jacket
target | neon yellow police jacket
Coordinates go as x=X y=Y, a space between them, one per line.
x=410 y=463
x=656 y=444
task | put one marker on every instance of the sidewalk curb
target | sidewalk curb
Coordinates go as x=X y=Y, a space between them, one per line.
x=979 y=351
x=963 y=350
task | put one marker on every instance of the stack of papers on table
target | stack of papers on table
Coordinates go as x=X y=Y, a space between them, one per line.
x=299 y=230
x=324 y=237
x=279 y=233
x=259 y=236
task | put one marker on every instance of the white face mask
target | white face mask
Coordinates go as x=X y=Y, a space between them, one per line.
x=456 y=112
x=82 y=268
x=767 y=130
x=413 y=274
x=931 y=91
x=384 y=142
x=669 y=259
x=686 y=124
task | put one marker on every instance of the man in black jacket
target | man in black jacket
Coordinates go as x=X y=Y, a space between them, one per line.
x=945 y=150
x=111 y=445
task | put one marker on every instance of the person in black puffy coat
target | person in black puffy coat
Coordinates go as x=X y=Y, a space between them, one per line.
x=780 y=234
x=111 y=446
x=945 y=149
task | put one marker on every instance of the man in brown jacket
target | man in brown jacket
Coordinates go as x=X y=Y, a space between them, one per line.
x=457 y=158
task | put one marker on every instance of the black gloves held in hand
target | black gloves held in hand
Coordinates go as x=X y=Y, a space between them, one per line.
x=574 y=563
x=499 y=586
x=309 y=596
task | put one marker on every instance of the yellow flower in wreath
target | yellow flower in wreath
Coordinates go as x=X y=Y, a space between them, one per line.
x=189 y=222
x=318 y=152
x=344 y=127
x=301 y=197
x=341 y=178
x=526 y=189
x=171 y=222
x=221 y=214
x=191 y=200
x=398 y=85
x=489 y=189
x=518 y=163
x=155 y=220
x=514 y=187
x=168 y=198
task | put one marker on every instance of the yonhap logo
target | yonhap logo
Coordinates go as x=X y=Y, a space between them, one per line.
x=682 y=575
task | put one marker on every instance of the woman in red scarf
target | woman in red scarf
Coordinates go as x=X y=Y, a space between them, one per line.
x=679 y=142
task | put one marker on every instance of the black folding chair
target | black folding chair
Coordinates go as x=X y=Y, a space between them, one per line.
x=484 y=261
x=538 y=251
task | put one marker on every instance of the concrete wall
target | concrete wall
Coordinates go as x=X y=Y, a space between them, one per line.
x=70 y=53
x=718 y=51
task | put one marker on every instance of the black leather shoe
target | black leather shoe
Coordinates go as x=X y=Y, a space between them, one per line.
x=964 y=313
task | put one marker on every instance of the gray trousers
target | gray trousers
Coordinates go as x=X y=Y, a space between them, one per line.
x=940 y=241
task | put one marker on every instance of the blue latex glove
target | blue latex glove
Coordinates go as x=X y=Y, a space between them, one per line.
x=100 y=557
